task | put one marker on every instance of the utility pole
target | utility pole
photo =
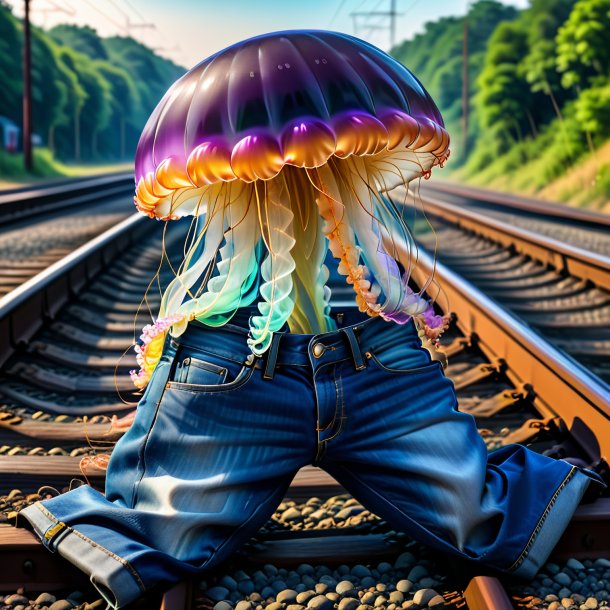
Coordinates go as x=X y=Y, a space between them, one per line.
x=27 y=90
x=392 y=24
x=465 y=84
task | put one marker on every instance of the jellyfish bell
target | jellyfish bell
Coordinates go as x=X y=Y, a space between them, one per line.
x=281 y=146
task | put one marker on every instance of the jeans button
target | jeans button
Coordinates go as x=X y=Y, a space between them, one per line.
x=319 y=349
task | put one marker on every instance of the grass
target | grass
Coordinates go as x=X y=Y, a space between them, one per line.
x=46 y=167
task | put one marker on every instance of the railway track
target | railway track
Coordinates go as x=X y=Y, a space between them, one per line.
x=62 y=337
x=41 y=225
x=561 y=291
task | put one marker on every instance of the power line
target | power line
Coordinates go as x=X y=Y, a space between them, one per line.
x=336 y=13
x=391 y=14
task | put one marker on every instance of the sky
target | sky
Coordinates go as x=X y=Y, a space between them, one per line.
x=188 y=31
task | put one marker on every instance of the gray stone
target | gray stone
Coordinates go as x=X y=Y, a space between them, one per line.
x=61 y=604
x=567 y=602
x=45 y=599
x=343 y=569
x=295 y=607
x=591 y=602
x=579 y=599
x=574 y=564
x=404 y=560
x=267 y=592
x=551 y=598
x=368 y=581
x=368 y=598
x=333 y=596
x=15 y=598
x=318 y=515
x=287 y=596
x=554 y=605
x=345 y=587
x=602 y=562
x=350 y=511
x=240 y=575
x=391 y=607
x=321 y=588
x=416 y=573
x=329 y=580
x=278 y=585
x=244 y=604
x=305 y=596
x=270 y=569
x=320 y=602
x=246 y=587
x=20 y=607
x=217 y=593
x=324 y=570
x=384 y=567
x=423 y=596
x=274 y=606
x=409 y=604
x=562 y=578
x=349 y=603
x=404 y=586
x=292 y=514
x=380 y=586
x=360 y=571
x=563 y=592
x=437 y=600
x=98 y=604
x=228 y=582
x=255 y=597
x=551 y=568
x=380 y=601
x=397 y=597
x=427 y=582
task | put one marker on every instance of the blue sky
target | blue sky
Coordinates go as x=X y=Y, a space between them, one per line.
x=188 y=31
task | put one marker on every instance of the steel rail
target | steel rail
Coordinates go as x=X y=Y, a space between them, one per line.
x=26 y=309
x=564 y=257
x=21 y=203
x=511 y=202
x=563 y=387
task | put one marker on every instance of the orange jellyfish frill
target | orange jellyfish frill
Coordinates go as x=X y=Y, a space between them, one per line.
x=282 y=146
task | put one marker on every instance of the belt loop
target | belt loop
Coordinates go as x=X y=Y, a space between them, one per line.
x=272 y=356
x=355 y=347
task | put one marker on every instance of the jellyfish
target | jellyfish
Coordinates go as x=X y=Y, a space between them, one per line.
x=281 y=148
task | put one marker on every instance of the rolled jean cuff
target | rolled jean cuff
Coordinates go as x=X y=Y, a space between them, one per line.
x=113 y=576
x=552 y=523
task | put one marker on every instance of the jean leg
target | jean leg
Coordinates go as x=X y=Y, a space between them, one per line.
x=210 y=471
x=410 y=456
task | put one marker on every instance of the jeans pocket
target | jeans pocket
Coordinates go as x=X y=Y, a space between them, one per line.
x=402 y=359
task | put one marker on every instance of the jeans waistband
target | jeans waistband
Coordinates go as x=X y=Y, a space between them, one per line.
x=356 y=334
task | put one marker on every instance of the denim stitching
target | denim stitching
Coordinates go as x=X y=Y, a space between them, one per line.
x=340 y=397
x=418 y=369
x=541 y=521
x=222 y=388
x=94 y=544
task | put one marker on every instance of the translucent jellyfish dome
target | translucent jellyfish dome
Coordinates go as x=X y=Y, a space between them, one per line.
x=281 y=147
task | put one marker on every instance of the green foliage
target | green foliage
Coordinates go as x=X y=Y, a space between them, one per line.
x=91 y=96
x=592 y=111
x=582 y=43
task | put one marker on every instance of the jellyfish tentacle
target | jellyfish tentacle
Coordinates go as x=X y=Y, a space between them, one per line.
x=277 y=290
x=212 y=232
x=224 y=291
x=361 y=204
x=311 y=309
x=341 y=240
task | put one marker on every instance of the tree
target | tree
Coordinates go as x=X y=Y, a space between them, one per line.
x=504 y=96
x=582 y=43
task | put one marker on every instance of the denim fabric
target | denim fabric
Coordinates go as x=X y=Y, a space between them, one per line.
x=219 y=435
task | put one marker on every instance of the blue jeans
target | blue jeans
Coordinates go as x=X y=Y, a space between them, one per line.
x=219 y=435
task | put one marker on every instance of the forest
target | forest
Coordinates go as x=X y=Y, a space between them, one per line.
x=91 y=95
x=539 y=95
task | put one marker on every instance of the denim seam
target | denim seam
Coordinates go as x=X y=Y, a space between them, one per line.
x=541 y=521
x=402 y=512
x=142 y=456
x=339 y=393
x=221 y=388
x=239 y=528
x=96 y=545
x=404 y=371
